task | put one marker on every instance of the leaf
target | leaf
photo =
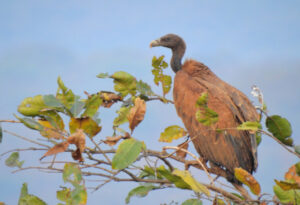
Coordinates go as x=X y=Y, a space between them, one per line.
x=202 y=100
x=78 y=139
x=287 y=197
x=144 y=89
x=103 y=75
x=192 y=202
x=136 y=113
x=207 y=116
x=218 y=201
x=122 y=117
x=166 y=84
x=291 y=174
x=64 y=95
x=111 y=141
x=72 y=173
x=92 y=105
x=60 y=147
x=140 y=191
x=13 y=160
x=247 y=179
x=280 y=128
x=127 y=153
x=30 y=123
x=189 y=179
x=32 y=106
x=297 y=149
x=124 y=83
x=172 y=133
x=286 y=185
x=77 y=107
x=79 y=195
x=180 y=153
x=49 y=131
x=54 y=119
x=258 y=138
x=88 y=125
x=28 y=199
x=1 y=133
x=63 y=195
x=249 y=125
x=177 y=180
x=51 y=101
x=109 y=98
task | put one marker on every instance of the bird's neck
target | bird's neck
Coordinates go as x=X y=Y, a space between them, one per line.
x=178 y=53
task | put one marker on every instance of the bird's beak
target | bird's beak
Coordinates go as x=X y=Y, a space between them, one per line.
x=155 y=43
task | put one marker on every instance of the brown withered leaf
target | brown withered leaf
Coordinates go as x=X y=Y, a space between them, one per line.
x=136 y=113
x=180 y=153
x=60 y=147
x=292 y=175
x=111 y=141
x=109 y=98
x=78 y=139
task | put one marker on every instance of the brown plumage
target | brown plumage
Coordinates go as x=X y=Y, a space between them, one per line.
x=226 y=150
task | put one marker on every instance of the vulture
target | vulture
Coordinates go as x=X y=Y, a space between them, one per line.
x=225 y=150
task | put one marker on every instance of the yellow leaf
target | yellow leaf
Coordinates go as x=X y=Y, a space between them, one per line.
x=136 y=113
x=247 y=179
x=287 y=185
x=49 y=131
x=87 y=124
x=189 y=179
x=172 y=133
x=292 y=175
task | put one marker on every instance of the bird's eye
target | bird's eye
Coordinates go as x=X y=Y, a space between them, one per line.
x=167 y=39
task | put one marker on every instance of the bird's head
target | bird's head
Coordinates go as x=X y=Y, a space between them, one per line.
x=171 y=41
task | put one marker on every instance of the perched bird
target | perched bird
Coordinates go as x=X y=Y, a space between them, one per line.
x=225 y=150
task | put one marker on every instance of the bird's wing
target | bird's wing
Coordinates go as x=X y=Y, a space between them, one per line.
x=231 y=148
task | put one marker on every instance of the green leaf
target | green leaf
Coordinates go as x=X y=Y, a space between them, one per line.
x=178 y=181
x=297 y=149
x=124 y=83
x=30 y=123
x=207 y=116
x=287 y=185
x=24 y=190
x=79 y=195
x=258 y=138
x=13 y=160
x=166 y=83
x=287 y=197
x=249 y=125
x=122 y=117
x=1 y=133
x=189 y=179
x=65 y=95
x=192 y=202
x=28 y=199
x=202 y=100
x=172 y=133
x=51 y=101
x=280 y=128
x=127 y=152
x=72 y=173
x=89 y=126
x=63 y=195
x=103 y=75
x=92 y=105
x=140 y=191
x=144 y=89
x=32 y=106
x=54 y=118
x=297 y=165
x=77 y=107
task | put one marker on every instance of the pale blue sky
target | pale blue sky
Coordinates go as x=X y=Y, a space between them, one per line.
x=243 y=42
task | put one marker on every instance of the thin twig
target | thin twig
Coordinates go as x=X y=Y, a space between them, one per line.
x=26 y=139
x=277 y=140
x=10 y=121
x=106 y=157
